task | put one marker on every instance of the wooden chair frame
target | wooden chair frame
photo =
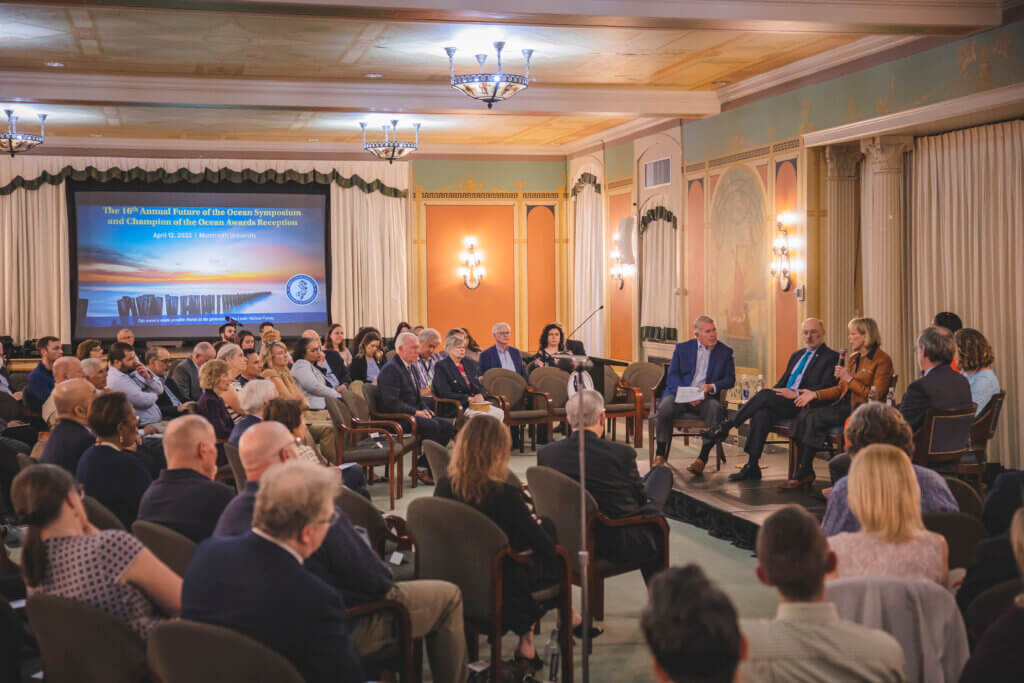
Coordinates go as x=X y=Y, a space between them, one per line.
x=688 y=426
x=923 y=455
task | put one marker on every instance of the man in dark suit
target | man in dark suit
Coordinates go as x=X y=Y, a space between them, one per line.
x=186 y=373
x=941 y=388
x=812 y=367
x=346 y=562
x=71 y=437
x=256 y=583
x=702 y=363
x=184 y=497
x=400 y=393
x=502 y=354
x=994 y=563
x=614 y=481
x=170 y=402
x=1003 y=500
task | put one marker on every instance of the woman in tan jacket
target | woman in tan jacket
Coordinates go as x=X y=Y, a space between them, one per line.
x=866 y=376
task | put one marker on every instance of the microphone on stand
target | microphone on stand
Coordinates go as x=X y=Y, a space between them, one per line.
x=570 y=363
x=234 y=322
x=585 y=320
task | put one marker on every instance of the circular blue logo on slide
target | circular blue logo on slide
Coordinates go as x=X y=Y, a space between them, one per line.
x=301 y=289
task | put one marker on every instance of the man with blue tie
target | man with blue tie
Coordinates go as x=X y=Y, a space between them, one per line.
x=703 y=364
x=170 y=401
x=811 y=367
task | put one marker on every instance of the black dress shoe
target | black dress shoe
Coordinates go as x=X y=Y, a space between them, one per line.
x=718 y=433
x=748 y=473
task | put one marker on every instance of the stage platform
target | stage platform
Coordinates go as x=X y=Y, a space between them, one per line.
x=734 y=510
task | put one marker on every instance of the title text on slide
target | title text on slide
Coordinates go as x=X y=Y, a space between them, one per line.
x=214 y=217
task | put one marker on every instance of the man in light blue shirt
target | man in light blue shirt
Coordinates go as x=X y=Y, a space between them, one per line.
x=502 y=354
x=127 y=375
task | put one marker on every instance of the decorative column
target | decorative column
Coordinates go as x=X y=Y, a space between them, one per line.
x=840 y=242
x=883 y=242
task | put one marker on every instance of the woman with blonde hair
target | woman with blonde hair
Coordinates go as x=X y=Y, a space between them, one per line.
x=865 y=377
x=478 y=476
x=214 y=380
x=886 y=499
x=318 y=429
x=232 y=355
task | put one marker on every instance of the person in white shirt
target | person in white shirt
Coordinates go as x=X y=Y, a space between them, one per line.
x=807 y=641
x=95 y=371
x=64 y=368
x=127 y=375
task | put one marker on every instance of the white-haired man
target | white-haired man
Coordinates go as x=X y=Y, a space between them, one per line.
x=502 y=354
x=95 y=371
x=706 y=366
x=614 y=481
x=186 y=374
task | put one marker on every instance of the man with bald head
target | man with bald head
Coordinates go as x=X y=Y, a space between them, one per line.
x=64 y=368
x=348 y=563
x=184 y=497
x=811 y=367
x=71 y=436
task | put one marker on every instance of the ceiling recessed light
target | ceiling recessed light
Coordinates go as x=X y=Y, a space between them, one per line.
x=55 y=65
x=374 y=75
x=719 y=84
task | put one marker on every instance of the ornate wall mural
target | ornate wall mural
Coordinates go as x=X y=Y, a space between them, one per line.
x=737 y=275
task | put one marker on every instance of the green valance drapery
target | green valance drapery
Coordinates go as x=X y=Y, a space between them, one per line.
x=660 y=334
x=658 y=213
x=584 y=180
x=209 y=175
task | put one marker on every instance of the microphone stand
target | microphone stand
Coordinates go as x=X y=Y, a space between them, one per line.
x=585 y=321
x=584 y=555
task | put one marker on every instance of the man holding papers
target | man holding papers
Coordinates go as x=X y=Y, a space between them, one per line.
x=700 y=370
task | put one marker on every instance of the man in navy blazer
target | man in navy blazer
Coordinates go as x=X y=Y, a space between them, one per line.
x=398 y=391
x=256 y=584
x=812 y=367
x=706 y=364
x=502 y=354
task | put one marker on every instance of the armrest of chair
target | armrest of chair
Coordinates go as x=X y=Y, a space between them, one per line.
x=654 y=519
x=500 y=400
x=384 y=424
x=364 y=430
x=402 y=620
x=543 y=396
x=452 y=402
x=398 y=531
x=410 y=418
x=635 y=395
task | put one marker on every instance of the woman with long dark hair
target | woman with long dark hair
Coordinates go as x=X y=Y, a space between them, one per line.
x=369 y=359
x=65 y=555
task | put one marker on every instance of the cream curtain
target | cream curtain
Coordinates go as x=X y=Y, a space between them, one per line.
x=368 y=260
x=660 y=277
x=588 y=269
x=967 y=249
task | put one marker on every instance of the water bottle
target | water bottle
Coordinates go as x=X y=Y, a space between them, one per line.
x=553 y=654
x=746 y=390
x=890 y=396
x=872 y=395
x=760 y=382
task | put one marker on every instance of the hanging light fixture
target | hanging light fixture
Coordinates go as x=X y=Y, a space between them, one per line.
x=12 y=141
x=489 y=88
x=390 y=148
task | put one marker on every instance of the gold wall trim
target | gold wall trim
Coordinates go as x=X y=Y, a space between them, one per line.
x=786 y=144
x=469 y=195
x=699 y=166
x=544 y=195
x=740 y=156
x=622 y=182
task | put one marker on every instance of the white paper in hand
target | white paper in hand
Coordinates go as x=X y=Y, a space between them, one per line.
x=689 y=394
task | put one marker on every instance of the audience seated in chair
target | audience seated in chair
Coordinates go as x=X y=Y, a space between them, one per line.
x=399 y=392
x=706 y=365
x=502 y=354
x=423 y=368
x=214 y=378
x=171 y=401
x=691 y=628
x=254 y=581
x=808 y=641
x=133 y=379
x=478 y=476
x=112 y=471
x=186 y=373
x=877 y=423
x=346 y=562
x=66 y=556
x=317 y=386
x=184 y=497
x=454 y=380
x=975 y=358
x=71 y=437
x=336 y=354
x=95 y=371
x=999 y=655
x=233 y=355
x=253 y=366
x=319 y=426
x=253 y=399
x=369 y=358
x=64 y=368
x=941 y=387
x=40 y=380
x=614 y=482
x=886 y=499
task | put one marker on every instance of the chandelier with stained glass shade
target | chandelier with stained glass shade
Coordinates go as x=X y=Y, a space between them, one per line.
x=13 y=142
x=489 y=87
x=390 y=148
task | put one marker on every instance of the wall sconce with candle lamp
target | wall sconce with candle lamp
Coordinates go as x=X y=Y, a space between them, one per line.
x=471 y=272
x=781 y=267
x=621 y=266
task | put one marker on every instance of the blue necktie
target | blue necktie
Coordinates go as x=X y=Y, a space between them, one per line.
x=798 y=370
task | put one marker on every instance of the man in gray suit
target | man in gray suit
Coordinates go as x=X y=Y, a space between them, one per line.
x=186 y=374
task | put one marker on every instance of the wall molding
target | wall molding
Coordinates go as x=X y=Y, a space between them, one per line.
x=978 y=104
x=618 y=184
x=740 y=156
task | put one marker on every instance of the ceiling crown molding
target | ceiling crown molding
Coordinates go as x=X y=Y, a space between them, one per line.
x=803 y=68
